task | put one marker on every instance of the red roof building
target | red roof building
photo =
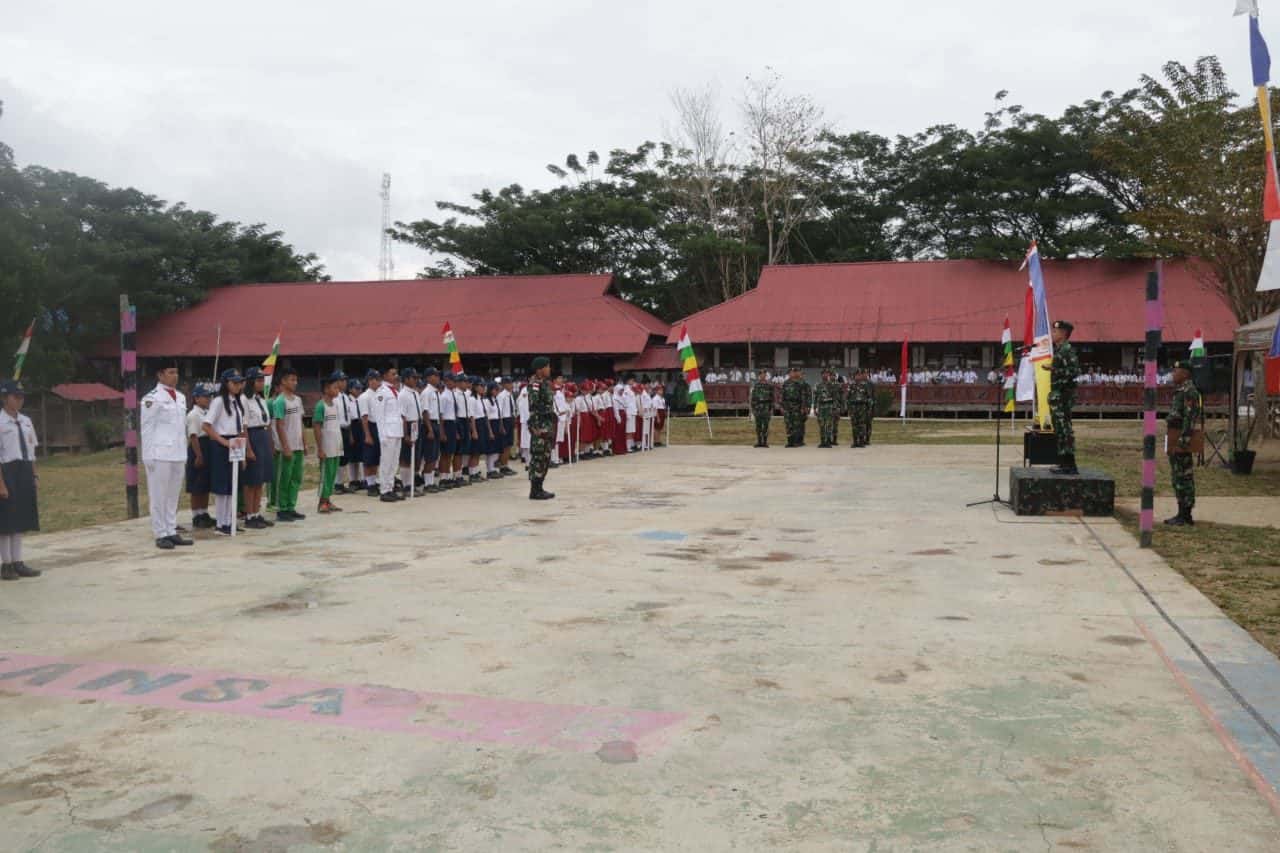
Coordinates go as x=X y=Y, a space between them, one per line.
x=952 y=311
x=499 y=323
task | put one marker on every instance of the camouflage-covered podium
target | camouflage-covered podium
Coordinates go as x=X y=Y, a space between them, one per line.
x=1036 y=491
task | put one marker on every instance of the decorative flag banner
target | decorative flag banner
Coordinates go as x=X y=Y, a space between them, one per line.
x=20 y=356
x=689 y=363
x=1271 y=364
x=1269 y=278
x=1006 y=342
x=1042 y=338
x=902 y=382
x=450 y=345
x=269 y=366
x=1197 y=346
x=1260 y=60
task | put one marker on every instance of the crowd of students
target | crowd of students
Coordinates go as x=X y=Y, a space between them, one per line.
x=394 y=435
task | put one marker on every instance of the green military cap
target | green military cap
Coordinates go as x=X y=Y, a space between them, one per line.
x=541 y=362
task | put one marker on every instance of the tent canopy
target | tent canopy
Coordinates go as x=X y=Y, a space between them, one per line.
x=1256 y=336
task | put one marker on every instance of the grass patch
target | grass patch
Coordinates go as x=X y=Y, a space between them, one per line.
x=1237 y=568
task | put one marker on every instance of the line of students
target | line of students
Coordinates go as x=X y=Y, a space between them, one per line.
x=436 y=432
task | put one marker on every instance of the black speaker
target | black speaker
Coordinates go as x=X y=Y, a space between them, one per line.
x=1212 y=375
x=1039 y=447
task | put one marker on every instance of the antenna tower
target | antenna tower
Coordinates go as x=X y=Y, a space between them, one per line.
x=386 y=266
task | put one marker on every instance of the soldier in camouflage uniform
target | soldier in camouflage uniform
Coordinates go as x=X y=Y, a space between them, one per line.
x=828 y=399
x=762 y=406
x=1185 y=414
x=542 y=427
x=1062 y=395
x=861 y=403
x=797 y=399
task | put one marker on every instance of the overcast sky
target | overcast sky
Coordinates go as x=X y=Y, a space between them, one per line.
x=288 y=112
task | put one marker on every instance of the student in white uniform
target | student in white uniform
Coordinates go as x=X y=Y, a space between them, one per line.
x=198 y=458
x=659 y=414
x=411 y=411
x=346 y=406
x=433 y=437
x=371 y=447
x=507 y=412
x=449 y=425
x=19 y=512
x=164 y=454
x=326 y=423
x=479 y=427
x=646 y=418
x=562 y=411
x=224 y=424
x=522 y=411
x=631 y=410
x=386 y=410
x=260 y=456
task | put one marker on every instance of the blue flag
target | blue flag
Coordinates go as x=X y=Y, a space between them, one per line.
x=1258 y=54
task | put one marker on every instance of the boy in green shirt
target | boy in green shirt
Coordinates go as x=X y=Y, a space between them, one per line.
x=326 y=420
x=286 y=418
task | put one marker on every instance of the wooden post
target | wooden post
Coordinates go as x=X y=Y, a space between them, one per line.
x=1155 y=320
x=129 y=382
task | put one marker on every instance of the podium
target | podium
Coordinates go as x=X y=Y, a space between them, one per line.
x=1035 y=491
x=1039 y=447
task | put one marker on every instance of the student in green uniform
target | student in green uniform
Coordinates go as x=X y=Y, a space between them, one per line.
x=326 y=420
x=286 y=417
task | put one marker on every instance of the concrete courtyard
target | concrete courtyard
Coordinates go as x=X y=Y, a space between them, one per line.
x=693 y=649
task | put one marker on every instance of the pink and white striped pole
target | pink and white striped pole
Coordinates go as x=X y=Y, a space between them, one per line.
x=129 y=383
x=1155 y=322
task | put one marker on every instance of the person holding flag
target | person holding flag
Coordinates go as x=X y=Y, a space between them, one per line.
x=1063 y=370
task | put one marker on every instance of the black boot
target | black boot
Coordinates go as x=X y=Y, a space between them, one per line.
x=1066 y=465
x=1186 y=517
x=1179 y=520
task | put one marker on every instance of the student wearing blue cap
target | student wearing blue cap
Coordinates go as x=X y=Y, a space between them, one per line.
x=19 y=512
x=224 y=425
x=197 y=470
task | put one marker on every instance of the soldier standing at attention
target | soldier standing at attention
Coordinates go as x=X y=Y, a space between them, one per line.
x=828 y=400
x=762 y=406
x=542 y=420
x=1062 y=395
x=862 y=400
x=796 y=400
x=1184 y=414
x=164 y=454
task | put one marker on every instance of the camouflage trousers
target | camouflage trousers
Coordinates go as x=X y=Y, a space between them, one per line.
x=1060 y=415
x=860 y=421
x=1183 y=466
x=828 y=426
x=762 y=418
x=795 y=426
x=539 y=456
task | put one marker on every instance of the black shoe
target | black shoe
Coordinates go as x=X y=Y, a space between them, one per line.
x=372 y=491
x=203 y=522
x=1176 y=521
x=493 y=475
x=388 y=498
x=465 y=481
x=507 y=471
x=225 y=530
x=165 y=544
x=297 y=516
x=178 y=540
x=266 y=522
x=25 y=571
x=283 y=515
x=433 y=489
x=758 y=444
x=339 y=489
x=256 y=523
x=9 y=573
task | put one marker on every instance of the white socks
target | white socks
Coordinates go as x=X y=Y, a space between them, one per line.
x=224 y=513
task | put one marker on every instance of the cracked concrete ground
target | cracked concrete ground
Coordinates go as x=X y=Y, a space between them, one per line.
x=695 y=649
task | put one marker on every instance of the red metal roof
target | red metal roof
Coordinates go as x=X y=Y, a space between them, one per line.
x=956 y=301
x=86 y=392
x=564 y=314
x=654 y=357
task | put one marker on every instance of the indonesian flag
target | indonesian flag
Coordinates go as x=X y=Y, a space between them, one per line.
x=21 y=354
x=1197 y=346
x=451 y=346
x=269 y=365
x=689 y=363
x=1006 y=343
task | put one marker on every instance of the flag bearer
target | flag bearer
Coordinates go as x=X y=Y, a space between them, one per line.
x=164 y=454
x=224 y=425
x=372 y=446
x=326 y=421
x=18 y=510
x=198 y=459
x=286 y=413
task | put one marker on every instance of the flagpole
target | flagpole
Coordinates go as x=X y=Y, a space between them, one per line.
x=217 y=352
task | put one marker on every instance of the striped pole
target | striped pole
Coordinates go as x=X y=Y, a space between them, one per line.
x=129 y=381
x=1155 y=320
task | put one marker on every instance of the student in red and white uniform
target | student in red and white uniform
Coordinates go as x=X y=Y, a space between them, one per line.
x=584 y=425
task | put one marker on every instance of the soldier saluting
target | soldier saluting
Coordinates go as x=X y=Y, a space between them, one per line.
x=1062 y=395
x=1184 y=414
x=762 y=406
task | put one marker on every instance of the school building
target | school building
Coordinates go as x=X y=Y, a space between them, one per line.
x=500 y=324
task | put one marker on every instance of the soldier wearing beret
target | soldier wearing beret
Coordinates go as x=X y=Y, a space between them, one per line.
x=1064 y=369
x=1185 y=414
